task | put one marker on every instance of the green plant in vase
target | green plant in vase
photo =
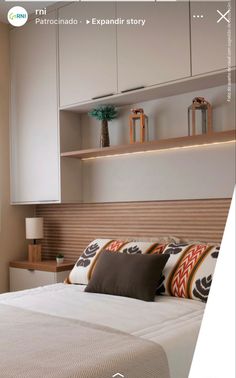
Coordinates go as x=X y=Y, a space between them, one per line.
x=59 y=258
x=104 y=113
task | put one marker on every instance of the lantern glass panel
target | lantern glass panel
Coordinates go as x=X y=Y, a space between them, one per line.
x=138 y=128
x=200 y=124
x=200 y=115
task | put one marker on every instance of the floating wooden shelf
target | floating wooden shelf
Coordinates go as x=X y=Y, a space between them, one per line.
x=164 y=144
x=44 y=265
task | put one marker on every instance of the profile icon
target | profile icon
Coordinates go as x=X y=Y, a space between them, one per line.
x=17 y=16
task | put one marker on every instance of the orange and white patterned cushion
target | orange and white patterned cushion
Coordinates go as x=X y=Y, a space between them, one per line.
x=189 y=270
x=84 y=267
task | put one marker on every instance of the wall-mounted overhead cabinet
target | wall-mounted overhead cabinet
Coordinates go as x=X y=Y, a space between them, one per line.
x=34 y=114
x=210 y=34
x=87 y=53
x=157 y=52
x=58 y=70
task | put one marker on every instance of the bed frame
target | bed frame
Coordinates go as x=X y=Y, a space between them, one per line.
x=70 y=227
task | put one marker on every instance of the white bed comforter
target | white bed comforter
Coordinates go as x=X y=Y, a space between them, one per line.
x=172 y=322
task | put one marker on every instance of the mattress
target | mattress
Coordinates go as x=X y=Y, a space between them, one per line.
x=173 y=323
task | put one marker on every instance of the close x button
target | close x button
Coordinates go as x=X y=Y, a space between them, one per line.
x=223 y=16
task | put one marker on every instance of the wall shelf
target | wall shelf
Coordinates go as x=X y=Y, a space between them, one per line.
x=164 y=144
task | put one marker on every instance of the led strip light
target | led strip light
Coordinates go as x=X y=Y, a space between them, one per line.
x=163 y=149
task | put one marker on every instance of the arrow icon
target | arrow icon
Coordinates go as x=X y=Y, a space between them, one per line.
x=87 y=22
x=118 y=375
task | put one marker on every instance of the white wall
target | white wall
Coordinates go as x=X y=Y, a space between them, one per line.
x=203 y=172
x=12 y=230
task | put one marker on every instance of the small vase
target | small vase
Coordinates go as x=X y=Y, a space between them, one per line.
x=60 y=260
x=104 y=139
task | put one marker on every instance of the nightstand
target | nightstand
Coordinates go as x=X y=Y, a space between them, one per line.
x=27 y=275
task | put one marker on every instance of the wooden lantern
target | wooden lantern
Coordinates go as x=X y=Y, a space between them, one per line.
x=137 y=118
x=199 y=103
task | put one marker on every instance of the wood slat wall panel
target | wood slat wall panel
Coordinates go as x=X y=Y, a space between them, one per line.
x=70 y=227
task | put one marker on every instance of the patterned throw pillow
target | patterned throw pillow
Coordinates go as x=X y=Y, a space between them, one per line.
x=84 y=267
x=189 y=270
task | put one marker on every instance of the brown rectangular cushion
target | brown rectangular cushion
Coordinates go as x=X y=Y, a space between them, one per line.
x=134 y=276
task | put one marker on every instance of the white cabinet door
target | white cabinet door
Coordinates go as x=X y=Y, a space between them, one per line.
x=210 y=36
x=157 y=52
x=22 y=279
x=87 y=53
x=34 y=114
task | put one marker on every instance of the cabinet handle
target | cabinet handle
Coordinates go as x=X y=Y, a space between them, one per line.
x=132 y=89
x=103 y=96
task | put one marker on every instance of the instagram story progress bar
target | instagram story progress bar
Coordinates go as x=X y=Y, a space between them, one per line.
x=102 y=1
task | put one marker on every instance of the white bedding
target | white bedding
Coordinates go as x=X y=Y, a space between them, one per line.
x=172 y=322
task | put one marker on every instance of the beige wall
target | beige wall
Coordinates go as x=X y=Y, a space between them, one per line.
x=12 y=240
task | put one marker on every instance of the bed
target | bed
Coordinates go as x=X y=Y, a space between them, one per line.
x=173 y=323
x=132 y=308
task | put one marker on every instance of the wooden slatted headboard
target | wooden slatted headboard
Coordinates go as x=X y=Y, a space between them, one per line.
x=70 y=227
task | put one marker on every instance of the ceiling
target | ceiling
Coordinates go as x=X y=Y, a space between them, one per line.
x=30 y=6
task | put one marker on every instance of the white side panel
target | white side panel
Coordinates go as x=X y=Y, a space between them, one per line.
x=210 y=359
x=71 y=180
x=70 y=140
x=192 y=173
x=34 y=114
